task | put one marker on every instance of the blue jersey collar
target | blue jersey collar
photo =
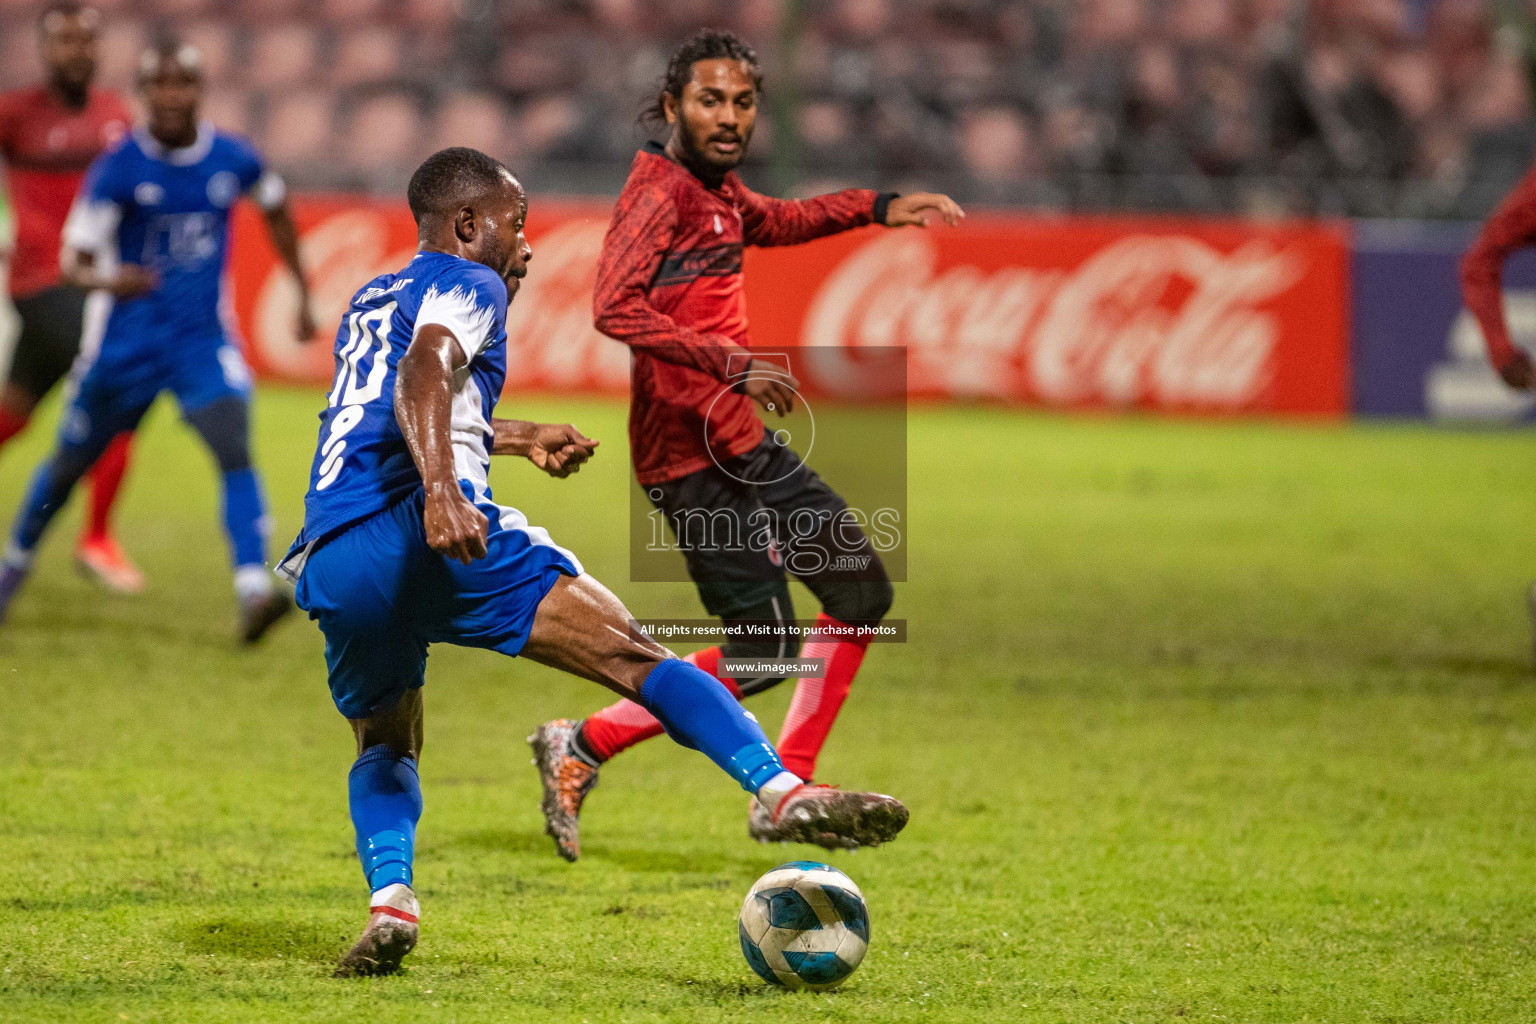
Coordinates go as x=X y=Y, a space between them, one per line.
x=186 y=156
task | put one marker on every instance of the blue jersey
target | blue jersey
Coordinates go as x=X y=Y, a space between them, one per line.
x=362 y=465
x=168 y=210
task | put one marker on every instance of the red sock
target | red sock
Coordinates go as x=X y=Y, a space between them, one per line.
x=106 y=481
x=11 y=424
x=817 y=701
x=620 y=726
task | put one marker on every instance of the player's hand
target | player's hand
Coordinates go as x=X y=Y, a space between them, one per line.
x=306 y=325
x=770 y=386
x=1518 y=372
x=133 y=280
x=455 y=528
x=917 y=209
x=559 y=450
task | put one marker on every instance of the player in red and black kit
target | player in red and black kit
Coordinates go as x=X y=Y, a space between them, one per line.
x=669 y=285
x=1509 y=228
x=49 y=134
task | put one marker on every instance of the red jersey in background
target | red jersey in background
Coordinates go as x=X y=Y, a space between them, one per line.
x=1510 y=227
x=47 y=146
x=669 y=286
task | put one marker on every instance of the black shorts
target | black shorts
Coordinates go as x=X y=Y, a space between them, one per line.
x=51 y=324
x=743 y=522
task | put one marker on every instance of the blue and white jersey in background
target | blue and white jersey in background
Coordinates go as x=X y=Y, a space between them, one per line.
x=362 y=465
x=168 y=210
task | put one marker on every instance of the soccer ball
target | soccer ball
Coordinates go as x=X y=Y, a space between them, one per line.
x=804 y=925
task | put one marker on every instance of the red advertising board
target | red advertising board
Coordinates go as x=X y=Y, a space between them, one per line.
x=1177 y=315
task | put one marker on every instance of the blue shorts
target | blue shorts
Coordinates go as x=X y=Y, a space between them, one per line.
x=382 y=595
x=113 y=387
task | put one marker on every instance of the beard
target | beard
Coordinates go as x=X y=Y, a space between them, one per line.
x=702 y=159
x=74 y=80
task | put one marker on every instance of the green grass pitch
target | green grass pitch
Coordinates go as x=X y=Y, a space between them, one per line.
x=1198 y=721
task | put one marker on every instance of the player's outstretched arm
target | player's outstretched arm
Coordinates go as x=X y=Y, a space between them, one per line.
x=285 y=238
x=770 y=386
x=423 y=408
x=918 y=209
x=557 y=449
x=769 y=221
x=128 y=281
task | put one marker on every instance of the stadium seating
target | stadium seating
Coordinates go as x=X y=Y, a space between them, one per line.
x=1368 y=107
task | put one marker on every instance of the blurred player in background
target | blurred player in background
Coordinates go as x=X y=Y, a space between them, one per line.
x=9 y=327
x=669 y=285
x=1508 y=229
x=403 y=545
x=149 y=236
x=49 y=134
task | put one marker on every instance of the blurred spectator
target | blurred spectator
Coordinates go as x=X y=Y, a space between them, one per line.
x=284 y=55
x=368 y=55
x=215 y=44
x=1366 y=107
x=383 y=138
x=229 y=109
x=298 y=130
x=477 y=120
x=548 y=127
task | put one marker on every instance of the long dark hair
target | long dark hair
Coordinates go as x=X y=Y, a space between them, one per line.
x=705 y=44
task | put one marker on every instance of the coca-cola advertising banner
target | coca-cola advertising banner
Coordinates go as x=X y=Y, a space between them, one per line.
x=1178 y=315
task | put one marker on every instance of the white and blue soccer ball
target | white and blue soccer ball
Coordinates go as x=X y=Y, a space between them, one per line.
x=804 y=925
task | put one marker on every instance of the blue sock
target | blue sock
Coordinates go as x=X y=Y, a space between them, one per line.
x=701 y=714
x=385 y=793
x=244 y=513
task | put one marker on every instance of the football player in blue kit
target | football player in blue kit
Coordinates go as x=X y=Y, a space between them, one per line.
x=403 y=545
x=148 y=236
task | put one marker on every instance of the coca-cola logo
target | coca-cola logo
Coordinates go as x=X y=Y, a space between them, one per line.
x=1144 y=317
x=1148 y=319
x=550 y=338
x=341 y=254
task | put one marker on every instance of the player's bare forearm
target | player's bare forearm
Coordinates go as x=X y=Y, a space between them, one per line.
x=919 y=208
x=512 y=437
x=424 y=410
x=128 y=280
x=424 y=402
x=557 y=449
x=78 y=270
x=285 y=239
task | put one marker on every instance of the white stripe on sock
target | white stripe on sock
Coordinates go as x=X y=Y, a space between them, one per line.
x=252 y=582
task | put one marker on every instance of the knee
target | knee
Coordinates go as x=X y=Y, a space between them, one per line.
x=225 y=429
x=859 y=604
x=231 y=453
x=785 y=645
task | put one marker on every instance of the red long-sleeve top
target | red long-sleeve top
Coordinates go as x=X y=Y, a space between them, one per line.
x=669 y=286
x=1512 y=226
x=46 y=146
